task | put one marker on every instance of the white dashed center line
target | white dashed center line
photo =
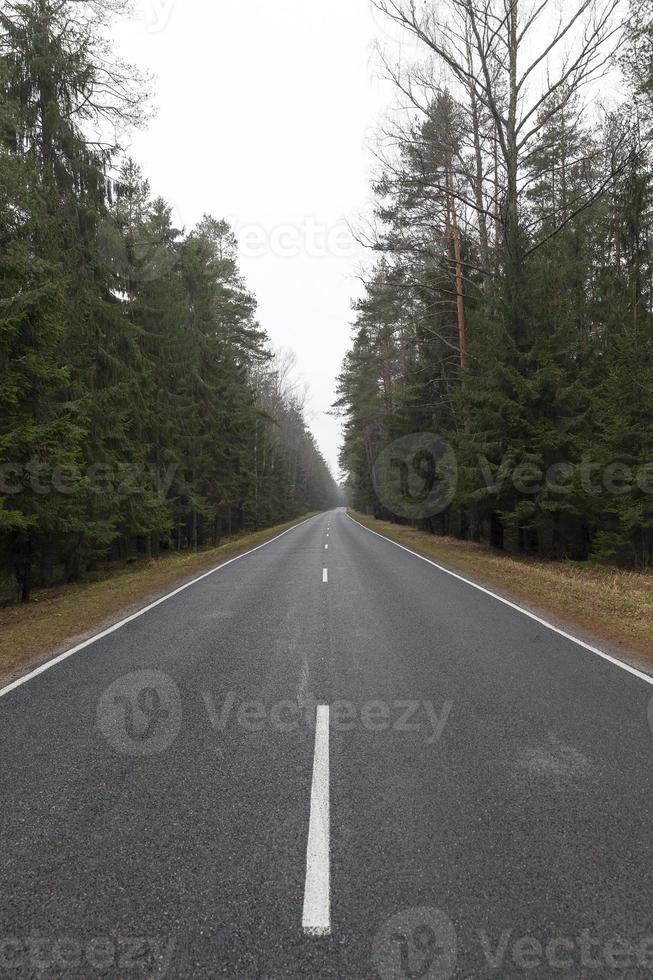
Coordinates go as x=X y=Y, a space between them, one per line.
x=316 y=919
x=325 y=575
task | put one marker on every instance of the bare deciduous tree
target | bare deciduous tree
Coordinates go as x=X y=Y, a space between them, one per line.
x=517 y=65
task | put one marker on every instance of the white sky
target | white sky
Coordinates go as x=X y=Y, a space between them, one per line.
x=265 y=113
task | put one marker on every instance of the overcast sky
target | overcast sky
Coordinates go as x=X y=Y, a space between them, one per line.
x=266 y=109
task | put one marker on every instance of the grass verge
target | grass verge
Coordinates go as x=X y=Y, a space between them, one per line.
x=612 y=605
x=60 y=618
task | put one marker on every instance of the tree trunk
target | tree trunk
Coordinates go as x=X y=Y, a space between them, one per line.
x=460 y=282
x=483 y=241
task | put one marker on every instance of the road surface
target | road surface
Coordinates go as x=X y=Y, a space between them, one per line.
x=473 y=801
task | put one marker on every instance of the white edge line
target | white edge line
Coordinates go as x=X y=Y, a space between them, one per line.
x=141 y=612
x=316 y=916
x=506 y=602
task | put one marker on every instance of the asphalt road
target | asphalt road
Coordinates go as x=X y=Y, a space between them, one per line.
x=483 y=807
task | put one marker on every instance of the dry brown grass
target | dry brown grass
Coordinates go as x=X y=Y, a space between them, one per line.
x=612 y=604
x=59 y=618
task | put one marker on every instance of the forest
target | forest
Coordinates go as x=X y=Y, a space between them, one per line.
x=509 y=309
x=142 y=409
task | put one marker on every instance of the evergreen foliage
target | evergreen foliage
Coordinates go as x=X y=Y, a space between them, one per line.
x=140 y=405
x=549 y=405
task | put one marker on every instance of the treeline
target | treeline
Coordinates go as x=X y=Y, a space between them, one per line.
x=141 y=408
x=510 y=308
